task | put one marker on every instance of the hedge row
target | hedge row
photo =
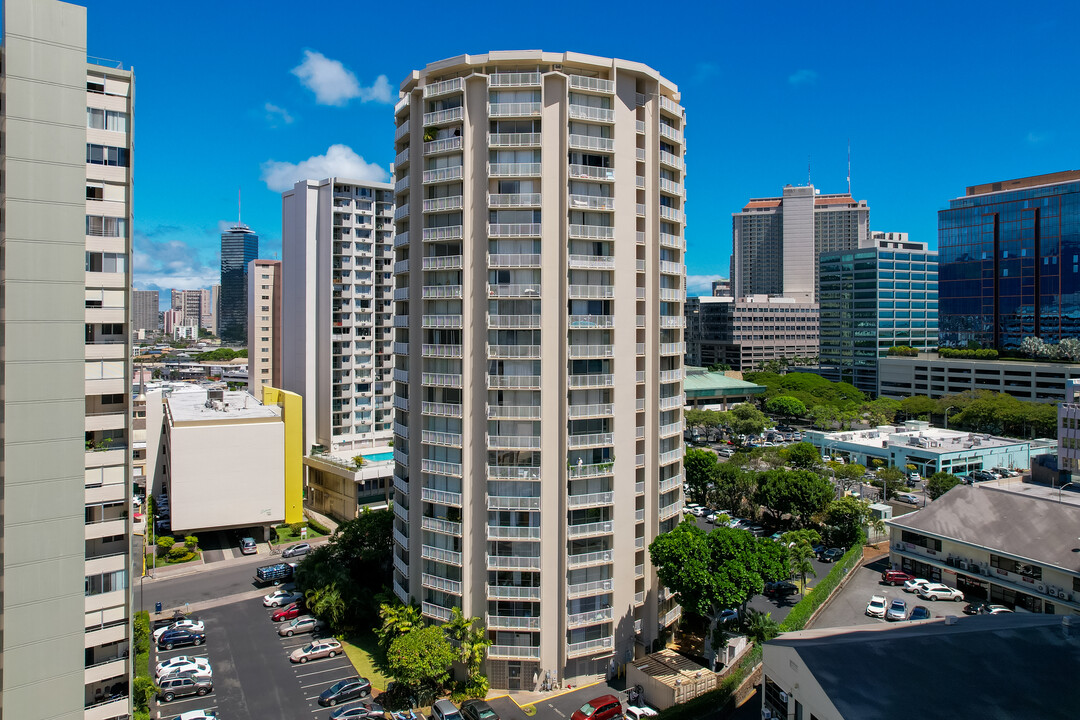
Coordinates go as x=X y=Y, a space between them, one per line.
x=968 y=354
x=801 y=612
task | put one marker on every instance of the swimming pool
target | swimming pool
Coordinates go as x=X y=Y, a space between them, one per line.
x=379 y=457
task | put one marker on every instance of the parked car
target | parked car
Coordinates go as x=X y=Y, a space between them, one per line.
x=897 y=610
x=832 y=555
x=248 y=546
x=197 y=715
x=919 y=612
x=193 y=624
x=354 y=688
x=478 y=710
x=366 y=710
x=445 y=710
x=796 y=436
x=327 y=648
x=289 y=612
x=908 y=498
x=876 y=606
x=635 y=712
x=818 y=549
x=975 y=607
x=179 y=686
x=182 y=663
x=914 y=477
x=911 y=483
x=781 y=588
x=995 y=610
x=912 y=586
x=725 y=452
x=938 y=591
x=726 y=616
x=296 y=550
x=302 y=624
x=895 y=577
x=605 y=707
x=1004 y=472
x=281 y=597
x=180 y=638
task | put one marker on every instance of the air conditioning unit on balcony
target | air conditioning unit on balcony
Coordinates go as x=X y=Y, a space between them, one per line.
x=766 y=714
x=783 y=696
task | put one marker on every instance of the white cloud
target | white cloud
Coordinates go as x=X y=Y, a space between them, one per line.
x=335 y=84
x=1038 y=138
x=277 y=115
x=803 y=77
x=700 y=284
x=339 y=160
x=166 y=264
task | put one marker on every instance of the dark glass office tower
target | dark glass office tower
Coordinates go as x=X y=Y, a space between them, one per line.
x=239 y=246
x=1009 y=256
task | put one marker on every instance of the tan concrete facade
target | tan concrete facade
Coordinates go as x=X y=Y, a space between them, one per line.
x=539 y=287
x=65 y=316
x=264 y=325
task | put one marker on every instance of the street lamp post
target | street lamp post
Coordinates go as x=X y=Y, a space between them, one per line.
x=1062 y=487
x=951 y=407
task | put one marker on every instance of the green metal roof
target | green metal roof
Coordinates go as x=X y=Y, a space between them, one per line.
x=703 y=384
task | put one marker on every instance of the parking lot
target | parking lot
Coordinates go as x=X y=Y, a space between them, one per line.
x=253 y=677
x=848 y=607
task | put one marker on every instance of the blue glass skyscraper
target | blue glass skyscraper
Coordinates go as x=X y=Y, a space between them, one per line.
x=1009 y=256
x=239 y=246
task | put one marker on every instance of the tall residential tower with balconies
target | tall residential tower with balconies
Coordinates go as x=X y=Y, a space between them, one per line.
x=65 y=422
x=539 y=286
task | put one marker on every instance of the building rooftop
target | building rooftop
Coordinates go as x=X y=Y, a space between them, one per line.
x=670 y=668
x=1024 y=182
x=985 y=666
x=700 y=382
x=194 y=405
x=1036 y=528
x=920 y=434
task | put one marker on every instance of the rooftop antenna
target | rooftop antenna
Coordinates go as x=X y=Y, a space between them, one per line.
x=849 y=166
x=808 y=160
x=239 y=206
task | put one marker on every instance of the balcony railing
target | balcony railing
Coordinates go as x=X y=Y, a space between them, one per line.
x=402 y=158
x=443 y=439
x=513 y=382
x=513 y=472
x=449 y=144
x=439 y=321
x=442 y=117
x=592 y=292
x=507 y=502
x=587 y=112
x=514 y=109
x=590 y=529
x=400 y=539
x=437 y=612
x=444 y=87
x=444 y=262
x=441 y=467
x=441 y=351
x=438 y=292
x=513 y=652
x=437 y=234
x=512 y=352
x=589 y=172
x=513 y=139
x=522 y=290
x=666 y=458
x=502 y=532
x=671 y=186
x=513 y=260
x=592 y=617
x=442 y=497
x=515 y=562
x=670 y=133
x=670 y=484
x=512 y=622
x=450 y=557
x=601 y=557
x=671 y=106
x=591 y=440
x=591 y=410
x=434 y=582
x=513 y=200
x=514 y=79
x=513 y=442
x=441 y=409
x=450 y=380
x=590 y=322
x=592 y=202
x=670 y=159
x=592 y=84
x=671 y=241
x=514 y=169
x=591 y=500
x=591 y=470
x=580 y=352
x=670 y=213
x=513 y=322
x=590 y=142
x=513 y=592
x=513 y=230
x=444 y=174
x=585 y=589
x=441 y=204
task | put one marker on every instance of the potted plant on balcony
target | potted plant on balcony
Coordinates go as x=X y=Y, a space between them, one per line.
x=358 y=461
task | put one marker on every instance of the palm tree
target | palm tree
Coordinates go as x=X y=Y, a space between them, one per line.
x=397 y=620
x=470 y=637
x=760 y=627
x=326 y=603
x=800 y=561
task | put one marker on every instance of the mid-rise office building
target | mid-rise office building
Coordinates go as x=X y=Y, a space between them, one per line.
x=264 y=325
x=196 y=307
x=65 y=644
x=539 y=286
x=1010 y=262
x=776 y=241
x=337 y=311
x=721 y=287
x=744 y=333
x=880 y=295
x=144 y=311
x=239 y=246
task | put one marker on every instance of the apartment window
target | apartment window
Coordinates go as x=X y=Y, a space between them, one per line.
x=101 y=226
x=106 y=582
x=106 y=155
x=99 y=119
x=95 y=192
x=106 y=262
x=114 y=399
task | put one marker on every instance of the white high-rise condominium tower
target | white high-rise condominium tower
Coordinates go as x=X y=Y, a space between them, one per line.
x=337 y=311
x=65 y=422
x=539 y=288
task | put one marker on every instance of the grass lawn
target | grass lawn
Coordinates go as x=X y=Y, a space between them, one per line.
x=286 y=535
x=363 y=652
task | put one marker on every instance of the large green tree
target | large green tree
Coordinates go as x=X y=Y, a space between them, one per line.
x=732 y=486
x=918 y=406
x=890 y=480
x=748 y=420
x=699 y=467
x=397 y=619
x=940 y=483
x=421 y=658
x=799 y=493
x=786 y=406
x=846 y=517
x=802 y=456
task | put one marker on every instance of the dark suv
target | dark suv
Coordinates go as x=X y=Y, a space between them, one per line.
x=352 y=688
x=179 y=638
x=181 y=685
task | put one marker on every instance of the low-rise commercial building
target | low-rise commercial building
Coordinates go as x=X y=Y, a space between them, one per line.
x=989 y=666
x=1068 y=442
x=744 y=333
x=928 y=374
x=344 y=483
x=1014 y=549
x=717 y=390
x=226 y=460
x=929 y=449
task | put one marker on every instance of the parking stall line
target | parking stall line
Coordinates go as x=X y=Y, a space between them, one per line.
x=193 y=698
x=316 y=672
x=320 y=681
x=325 y=683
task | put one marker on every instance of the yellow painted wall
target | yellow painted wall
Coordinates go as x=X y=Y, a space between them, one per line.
x=292 y=407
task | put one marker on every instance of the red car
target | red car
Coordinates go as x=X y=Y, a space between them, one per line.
x=289 y=612
x=605 y=707
x=895 y=577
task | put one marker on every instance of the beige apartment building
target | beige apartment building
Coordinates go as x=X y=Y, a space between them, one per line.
x=264 y=325
x=65 y=279
x=539 y=343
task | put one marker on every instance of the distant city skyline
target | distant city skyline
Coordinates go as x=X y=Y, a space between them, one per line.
x=763 y=109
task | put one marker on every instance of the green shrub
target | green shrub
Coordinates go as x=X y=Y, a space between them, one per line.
x=318 y=527
x=178 y=551
x=144 y=690
x=191 y=541
x=968 y=353
x=801 y=612
x=141 y=633
x=296 y=527
x=165 y=542
x=903 y=351
x=475 y=687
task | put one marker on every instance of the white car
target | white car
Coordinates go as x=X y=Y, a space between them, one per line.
x=634 y=712
x=876 y=606
x=193 y=625
x=281 y=597
x=913 y=586
x=725 y=452
x=197 y=715
x=183 y=663
x=937 y=591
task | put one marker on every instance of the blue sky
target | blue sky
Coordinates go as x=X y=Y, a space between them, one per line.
x=932 y=96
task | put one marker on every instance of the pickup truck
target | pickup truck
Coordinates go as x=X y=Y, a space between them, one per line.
x=276 y=574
